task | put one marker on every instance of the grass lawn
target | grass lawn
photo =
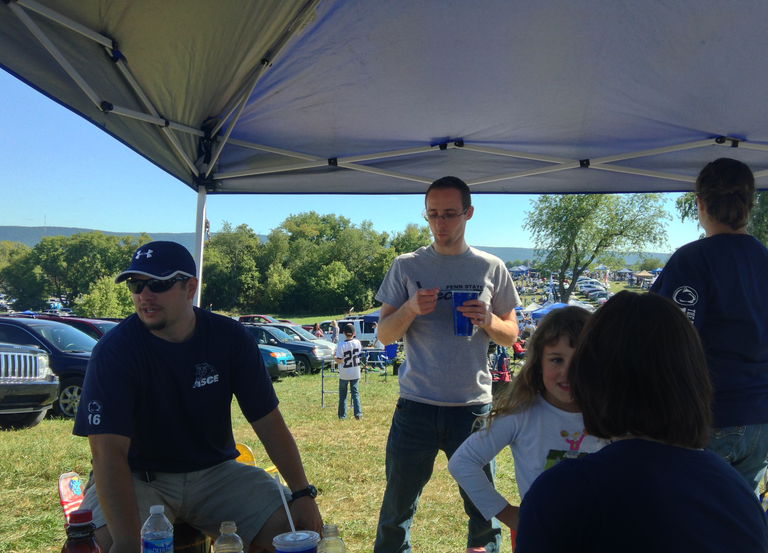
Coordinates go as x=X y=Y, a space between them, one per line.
x=343 y=459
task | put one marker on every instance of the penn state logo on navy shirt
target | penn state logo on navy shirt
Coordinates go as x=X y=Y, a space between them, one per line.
x=205 y=375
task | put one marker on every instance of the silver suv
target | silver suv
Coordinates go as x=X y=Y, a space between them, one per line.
x=28 y=388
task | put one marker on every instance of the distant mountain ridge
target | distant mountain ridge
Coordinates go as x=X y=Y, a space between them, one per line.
x=32 y=235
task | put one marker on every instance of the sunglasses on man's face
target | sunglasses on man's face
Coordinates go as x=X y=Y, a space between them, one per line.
x=155 y=285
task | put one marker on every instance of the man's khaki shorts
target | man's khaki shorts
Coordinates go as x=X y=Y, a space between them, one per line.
x=206 y=498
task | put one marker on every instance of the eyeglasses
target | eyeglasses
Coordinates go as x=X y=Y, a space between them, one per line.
x=433 y=216
x=155 y=285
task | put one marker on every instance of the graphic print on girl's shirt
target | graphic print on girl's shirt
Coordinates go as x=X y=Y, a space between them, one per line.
x=573 y=441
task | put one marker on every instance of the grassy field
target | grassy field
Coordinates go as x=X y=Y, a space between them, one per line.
x=344 y=459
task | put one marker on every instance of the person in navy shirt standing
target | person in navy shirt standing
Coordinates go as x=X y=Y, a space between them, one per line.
x=719 y=283
x=156 y=409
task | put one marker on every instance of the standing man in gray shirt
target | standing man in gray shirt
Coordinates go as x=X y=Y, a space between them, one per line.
x=444 y=382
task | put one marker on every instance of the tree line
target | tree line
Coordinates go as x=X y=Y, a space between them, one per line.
x=325 y=264
x=310 y=262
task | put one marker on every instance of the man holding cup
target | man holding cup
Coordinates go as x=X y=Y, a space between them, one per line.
x=444 y=382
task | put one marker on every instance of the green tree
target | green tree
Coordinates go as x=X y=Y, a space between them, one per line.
x=9 y=253
x=105 y=299
x=231 y=277
x=758 y=219
x=648 y=264
x=571 y=231
x=611 y=260
x=24 y=281
x=412 y=238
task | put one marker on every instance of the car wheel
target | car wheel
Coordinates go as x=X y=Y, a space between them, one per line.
x=69 y=397
x=17 y=421
x=302 y=365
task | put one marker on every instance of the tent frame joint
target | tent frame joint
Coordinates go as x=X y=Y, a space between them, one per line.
x=584 y=163
x=333 y=162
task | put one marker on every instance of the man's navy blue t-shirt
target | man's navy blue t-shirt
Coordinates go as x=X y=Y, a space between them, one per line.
x=173 y=400
x=720 y=284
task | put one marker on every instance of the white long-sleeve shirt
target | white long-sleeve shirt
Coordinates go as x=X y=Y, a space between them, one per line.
x=538 y=437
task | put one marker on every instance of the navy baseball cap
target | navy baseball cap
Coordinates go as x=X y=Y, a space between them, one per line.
x=161 y=260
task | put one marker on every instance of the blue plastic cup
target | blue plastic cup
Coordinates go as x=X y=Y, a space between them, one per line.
x=462 y=326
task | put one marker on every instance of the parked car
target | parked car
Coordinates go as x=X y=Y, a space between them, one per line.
x=304 y=335
x=257 y=319
x=28 y=388
x=95 y=328
x=68 y=350
x=592 y=288
x=363 y=330
x=278 y=361
x=598 y=294
x=309 y=357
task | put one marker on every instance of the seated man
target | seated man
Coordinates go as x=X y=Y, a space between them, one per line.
x=156 y=409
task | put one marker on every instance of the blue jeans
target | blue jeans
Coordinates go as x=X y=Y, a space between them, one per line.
x=417 y=433
x=353 y=386
x=745 y=448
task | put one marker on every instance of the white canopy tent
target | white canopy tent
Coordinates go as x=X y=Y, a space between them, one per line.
x=383 y=97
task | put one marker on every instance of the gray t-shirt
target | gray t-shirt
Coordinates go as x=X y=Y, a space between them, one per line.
x=440 y=368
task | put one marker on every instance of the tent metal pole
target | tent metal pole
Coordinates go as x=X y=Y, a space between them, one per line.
x=652 y=152
x=392 y=153
x=55 y=52
x=128 y=76
x=759 y=174
x=643 y=172
x=510 y=153
x=199 y=240
x=241 y=96
x=749 y=146
x=528 y=173
x=270 y=149
x=269 y=170
x=384 y=172
x=232 y=124
x=66 y=22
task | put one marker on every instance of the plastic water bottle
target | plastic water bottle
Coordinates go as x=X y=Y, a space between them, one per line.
x=80 y=534
x=331 y=542
x=157 y=532
x=228 y=542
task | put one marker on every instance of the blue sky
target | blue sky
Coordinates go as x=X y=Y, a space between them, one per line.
x=62 y=171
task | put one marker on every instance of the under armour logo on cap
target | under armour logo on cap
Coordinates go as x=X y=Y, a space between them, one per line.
x=161 y=260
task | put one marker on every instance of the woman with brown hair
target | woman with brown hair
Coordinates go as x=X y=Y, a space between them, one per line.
x=640 y=378
x=719 y=283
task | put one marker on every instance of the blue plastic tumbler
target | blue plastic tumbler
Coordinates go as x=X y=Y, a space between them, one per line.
x=462 y=326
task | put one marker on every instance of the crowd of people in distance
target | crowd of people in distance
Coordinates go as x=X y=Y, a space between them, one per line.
x=636 y=428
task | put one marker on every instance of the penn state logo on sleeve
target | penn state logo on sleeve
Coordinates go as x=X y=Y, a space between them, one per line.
x=94 y=413
x=686 y=297
x=205 y=375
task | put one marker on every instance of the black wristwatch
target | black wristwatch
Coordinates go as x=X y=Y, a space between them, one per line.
x=310 y=491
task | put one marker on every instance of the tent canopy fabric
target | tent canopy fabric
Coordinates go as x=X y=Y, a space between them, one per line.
x=531 y=307
x=372 y=317
x=643 y=274
x=383 y=97
x=538 y=314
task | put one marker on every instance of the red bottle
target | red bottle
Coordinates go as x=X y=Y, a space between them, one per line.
x=80 y=534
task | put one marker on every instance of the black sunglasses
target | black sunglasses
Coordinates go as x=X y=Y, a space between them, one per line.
x=155 y=285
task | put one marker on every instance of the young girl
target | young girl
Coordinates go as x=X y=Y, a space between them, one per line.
x=535 y=416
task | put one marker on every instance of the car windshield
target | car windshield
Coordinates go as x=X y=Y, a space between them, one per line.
x=64 y=337
x=280 y=335
x=105 y=326
x=297 y=330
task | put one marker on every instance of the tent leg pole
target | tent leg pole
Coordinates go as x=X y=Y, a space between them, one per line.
x=199 y=239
